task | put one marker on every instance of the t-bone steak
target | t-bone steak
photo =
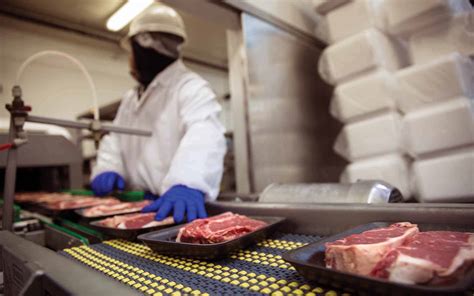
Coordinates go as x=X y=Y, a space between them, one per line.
x=216 y=229
x=359 y=253
x=426 y=257
x=135 y=221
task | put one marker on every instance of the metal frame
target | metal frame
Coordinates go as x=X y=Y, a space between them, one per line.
x=49 y=151
x=238 y=78
x=25 y=263
x=250 y=8
x=290 y=133
x=326 y=219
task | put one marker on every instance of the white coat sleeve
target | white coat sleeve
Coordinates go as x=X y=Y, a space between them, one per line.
x=109 y=156
x=199 y=161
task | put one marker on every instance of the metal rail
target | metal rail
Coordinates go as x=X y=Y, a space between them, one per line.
x=326 y=219
x=86 y=125
x=10 y=181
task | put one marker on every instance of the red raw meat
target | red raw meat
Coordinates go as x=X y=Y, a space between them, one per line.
x=121 y=208
x=81 y=202
x=42 y=197
x=135 y=221
x=220 y=228
x=28 y=196
x=427 y=256
x=359 y=253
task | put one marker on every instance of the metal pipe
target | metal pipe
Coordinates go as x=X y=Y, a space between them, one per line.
x=10 y=181
x=60 y=122
x=85 y=125
x=124 y=130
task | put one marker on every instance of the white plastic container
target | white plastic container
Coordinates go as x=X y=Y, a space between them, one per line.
x=395 y=17
x=455 y=34
x=403 y=17
x=349 y=19
x=392 y=168
x=360 y=54
x=364 y=96
x=370 y=137
x=321 y=29
x=439 y=127
x=447 y=178
x=444 y=78
x=324 y=6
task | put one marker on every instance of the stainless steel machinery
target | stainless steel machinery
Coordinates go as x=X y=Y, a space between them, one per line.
x=18 y=137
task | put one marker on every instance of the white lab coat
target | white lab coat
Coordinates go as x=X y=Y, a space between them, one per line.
x=187 y=146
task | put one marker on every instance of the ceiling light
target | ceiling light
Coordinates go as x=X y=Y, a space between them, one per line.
x=126 y=13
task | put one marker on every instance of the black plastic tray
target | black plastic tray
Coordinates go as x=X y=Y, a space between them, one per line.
x=83 y=219
x=164 y=241
x=309 y=262
x=44 y=210
x=128 y=234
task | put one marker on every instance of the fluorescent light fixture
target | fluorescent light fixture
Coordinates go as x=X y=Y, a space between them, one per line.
x=126 y=13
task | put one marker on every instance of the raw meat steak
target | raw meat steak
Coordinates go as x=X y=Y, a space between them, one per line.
x=359 y=253
x=135 y=221
x=427 y=256
x=42 y=197
x=81 y=202
x=220 y=228
x=121 y=208
x=28 y=196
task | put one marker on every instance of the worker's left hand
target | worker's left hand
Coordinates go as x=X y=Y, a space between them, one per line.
x=106 y=182
x=179 y=199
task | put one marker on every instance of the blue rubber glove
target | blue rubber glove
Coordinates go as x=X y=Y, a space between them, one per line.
x=106 y=182
x=150 y=196
x=179 y=199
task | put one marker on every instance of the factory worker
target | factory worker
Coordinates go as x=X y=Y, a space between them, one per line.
x=182 y=162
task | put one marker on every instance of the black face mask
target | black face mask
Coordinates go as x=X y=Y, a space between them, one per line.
x=148 y=63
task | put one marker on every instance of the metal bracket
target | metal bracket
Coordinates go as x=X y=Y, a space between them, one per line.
x=95 y=128
x=18 y=112
x=17 y=136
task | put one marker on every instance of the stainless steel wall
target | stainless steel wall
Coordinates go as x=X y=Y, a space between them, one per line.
x=290 y=131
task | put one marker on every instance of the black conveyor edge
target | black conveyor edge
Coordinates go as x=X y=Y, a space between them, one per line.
x=22 y=257
x=310 y=219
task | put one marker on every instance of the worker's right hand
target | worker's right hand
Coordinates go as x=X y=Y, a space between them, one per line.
x=179 y=200
x=106 y=182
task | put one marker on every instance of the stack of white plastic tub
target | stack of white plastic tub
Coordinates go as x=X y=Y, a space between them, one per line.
x=455 y=34
x=382 y=99
x=360 y=63
x=438 y=127
x=436 y=95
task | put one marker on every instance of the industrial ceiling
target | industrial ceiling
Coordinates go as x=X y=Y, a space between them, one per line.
x=207 y=42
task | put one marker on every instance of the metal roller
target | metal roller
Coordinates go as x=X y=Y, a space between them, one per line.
x=359 y=192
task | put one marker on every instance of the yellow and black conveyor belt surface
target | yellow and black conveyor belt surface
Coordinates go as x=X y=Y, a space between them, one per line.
x=254 y=271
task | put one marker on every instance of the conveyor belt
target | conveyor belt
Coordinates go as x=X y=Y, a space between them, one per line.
x=254 y=271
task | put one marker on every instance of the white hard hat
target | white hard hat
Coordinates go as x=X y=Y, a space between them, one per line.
x=157 y=18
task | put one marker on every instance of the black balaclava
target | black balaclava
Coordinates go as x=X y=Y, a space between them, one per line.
x=148 y=63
